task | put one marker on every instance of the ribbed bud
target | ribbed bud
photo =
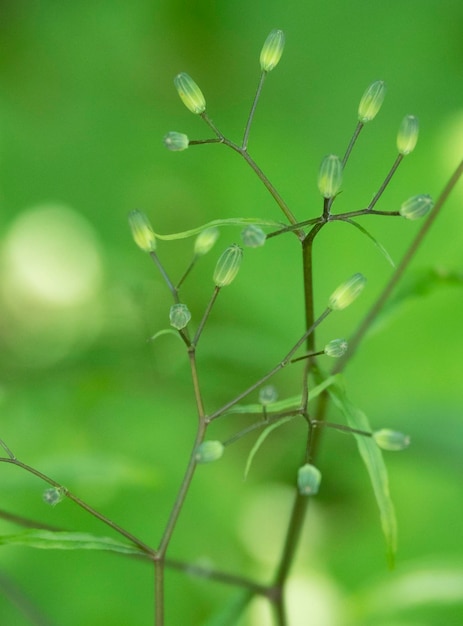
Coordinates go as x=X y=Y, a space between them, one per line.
x=209 y=451
x=142 y=231
x=253 y=236
x=191 y=95
x=53 y=496
x=179 y=316
x=272 y=50
x=330 y=176
x=416 y=207
x=206 y=240
x=176 y=142
x=346 y=293
x=268 y=395
x=336 y=348
x=371 y=101
x=391 y=439
x=227 y=266
x=407 y=135
x=308 y=480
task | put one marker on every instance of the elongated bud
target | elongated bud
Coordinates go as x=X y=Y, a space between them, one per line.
x=53 y=496
x=346 y=293
x=308 y=480
x=330 y=176
x=268 y=395
x=206 y=240
x=209 y=451
x=142 y=231
x=191 y=95
x=176 y=142
x=179 y=316
x=416 y=207
x=391 y=439
x=272 y=50
x=407 y=135
x=336 y=348
x=227 y=266
x=253 y=236
x=371 y=101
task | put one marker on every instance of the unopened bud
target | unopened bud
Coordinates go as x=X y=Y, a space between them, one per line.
x=191 y=95
x=176 y=142
x=391 y=439
x=227 y=266
x=416 y=207
x=179 y=316
x=253 y=236
x=330 y=176
x=346 y=293
x=142 y=231
x=209 y=451
x=272 y=50
x=54 y=495
x=371 y=101
x=268 y=395
x=407 y=135
x=205 y=241
x=308 y=480
x=336 y=348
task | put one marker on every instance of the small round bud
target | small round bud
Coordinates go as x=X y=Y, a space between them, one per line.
x=209 y=451
x=272 y=50
x=142 y=232
x=206 y=240
x=179 y=316
x=268 y=395
x=308 y=480
x=227 y=266
x=391 y=439
x=330 y=176
x=416 y=207
x=371 y=101
x=253 y=236
x=176 y=142
x=407 y=135
x=191 y=95
x=336 y=348
x=346 y=293
x=53 y=495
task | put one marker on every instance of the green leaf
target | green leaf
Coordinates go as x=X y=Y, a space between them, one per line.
x=165 y=331
x=233 y=221
x=231 y=610
x=262 y=437
x=374 y=462
x=379 y=245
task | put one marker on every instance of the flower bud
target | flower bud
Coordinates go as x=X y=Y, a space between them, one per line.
x=336 y=348
x=227 y=266
x=371 y=101
x=191 y=95
x=53 y=496
x=346 y=293
x=308 y=480
x=407 y=135
x=416 y=207
x=179 y=316
x=268 y=395
x=176 y=142
x=330 y=176
x=391 y=439
x=253 y=236
x=272 y=50
x=142 y=231
x=209 y=451
x=206 y=240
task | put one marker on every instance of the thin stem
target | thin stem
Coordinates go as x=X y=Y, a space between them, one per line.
x=244 y=143
x=164 y=274
x=205 y=316
x=350 y=214
x=187 y=271
x=293 y=227
x=391 y=173
x=292 y=538
x=342 y=427
x=352 y=143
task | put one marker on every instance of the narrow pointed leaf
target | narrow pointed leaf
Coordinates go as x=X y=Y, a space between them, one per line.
x=262 y=437
x=233 y=221
x=231 y=610
x=379 y=245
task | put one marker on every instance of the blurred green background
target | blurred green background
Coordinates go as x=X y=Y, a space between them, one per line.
x=86 y=97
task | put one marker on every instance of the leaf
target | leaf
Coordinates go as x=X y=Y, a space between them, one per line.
x=379 y=245
x=165 y=331
x=231 y=611
x=262 y=437
x=233 y=221
x=374 y=462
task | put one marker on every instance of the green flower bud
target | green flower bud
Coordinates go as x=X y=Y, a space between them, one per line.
x=268 y=395
x=330 y=176
x=346 y=293
x=391 y=439
x=191 y=95
x=142 y=232
x=209 y=451
x=416 y=207
x=227 y=266
x=407 y=135
x=371 y=101
x=176 y=142
x=253 y=236
x=308 y=480
x=54 y=495
x=179 y=316
x=336 y=348
x=272 y=50
x=206 y=240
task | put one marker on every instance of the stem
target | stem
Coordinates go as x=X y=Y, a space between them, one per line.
x=173 y=290
x=352 y=143
x=380 y=191
x=205 y=316
x=244 y=144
